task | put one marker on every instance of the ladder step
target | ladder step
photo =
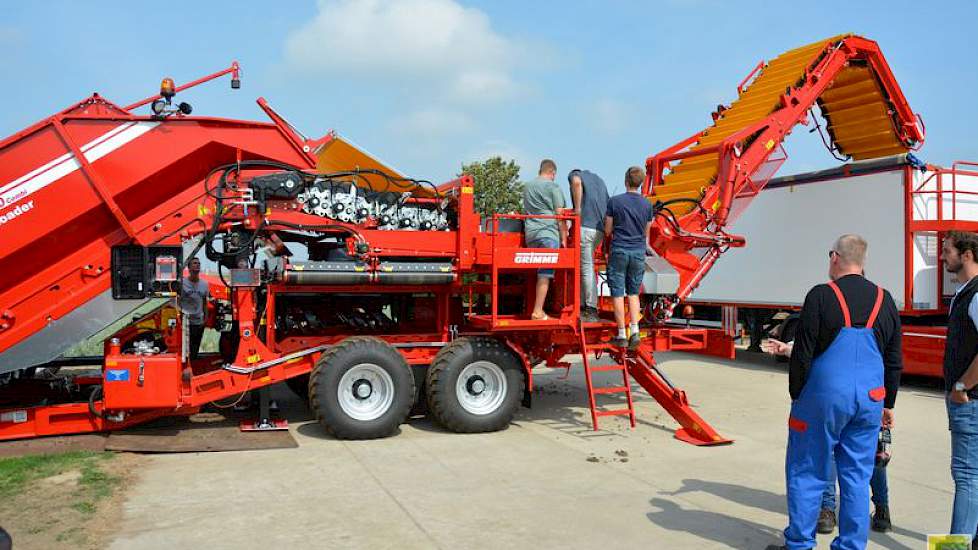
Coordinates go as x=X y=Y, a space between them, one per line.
x=605 y=368
x=613 y=412
x=602 y=347
x=612 y=389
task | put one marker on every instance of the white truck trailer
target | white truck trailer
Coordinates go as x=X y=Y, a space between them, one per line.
x=900 y=205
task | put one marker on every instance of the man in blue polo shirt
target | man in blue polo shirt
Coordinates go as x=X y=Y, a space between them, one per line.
x=590 y=197
x=628 y=221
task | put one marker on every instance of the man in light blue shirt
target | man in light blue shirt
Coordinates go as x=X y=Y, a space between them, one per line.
x=542 y=197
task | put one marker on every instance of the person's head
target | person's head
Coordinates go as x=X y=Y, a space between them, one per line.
x=193 y=266
x=847 y=257
x=574 y=176
x=548 y=169
x=634 y=177
x=960 y=254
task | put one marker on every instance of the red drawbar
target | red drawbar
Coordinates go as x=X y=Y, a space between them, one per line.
x=797 y=425
x=877 y=394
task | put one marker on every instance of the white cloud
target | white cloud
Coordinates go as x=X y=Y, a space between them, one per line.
x=432 y=123
x=610 y=116
x=451 y=49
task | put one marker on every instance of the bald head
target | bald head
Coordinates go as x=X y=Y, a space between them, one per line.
x=851 y=250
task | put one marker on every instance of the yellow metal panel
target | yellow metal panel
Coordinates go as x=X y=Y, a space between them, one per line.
x=858 y=115
x=339 y=155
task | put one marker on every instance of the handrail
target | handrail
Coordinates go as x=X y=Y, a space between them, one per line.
x=938 y=176
x=740 y=87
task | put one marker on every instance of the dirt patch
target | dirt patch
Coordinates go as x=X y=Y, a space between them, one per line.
x=72 y=500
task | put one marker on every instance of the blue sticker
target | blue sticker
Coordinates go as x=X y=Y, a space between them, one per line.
x=117 y=375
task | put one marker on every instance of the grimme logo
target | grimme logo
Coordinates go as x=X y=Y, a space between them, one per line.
x=535 y=258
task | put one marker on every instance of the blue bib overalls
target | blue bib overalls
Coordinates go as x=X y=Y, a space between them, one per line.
x=836 y=417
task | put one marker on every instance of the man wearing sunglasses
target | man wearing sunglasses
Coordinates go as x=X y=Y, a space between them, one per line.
x=843 y=380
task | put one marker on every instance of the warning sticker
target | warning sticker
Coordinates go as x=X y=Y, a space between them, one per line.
x=17 y=417
x=117 y=375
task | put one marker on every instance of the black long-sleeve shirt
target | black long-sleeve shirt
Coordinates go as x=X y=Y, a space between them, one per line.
x=822 y=319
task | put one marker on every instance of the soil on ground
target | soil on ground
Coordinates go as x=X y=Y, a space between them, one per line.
x=67 y=501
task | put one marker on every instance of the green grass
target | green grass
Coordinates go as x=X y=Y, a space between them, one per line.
x=17 y=473
x=59 y=509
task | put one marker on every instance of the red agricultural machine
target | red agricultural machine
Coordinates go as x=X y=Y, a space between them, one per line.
x=366 y=290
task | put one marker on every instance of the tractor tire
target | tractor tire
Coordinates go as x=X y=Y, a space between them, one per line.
x=474 y=385
x=361 y=388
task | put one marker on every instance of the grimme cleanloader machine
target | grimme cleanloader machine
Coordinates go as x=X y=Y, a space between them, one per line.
x=367 y=290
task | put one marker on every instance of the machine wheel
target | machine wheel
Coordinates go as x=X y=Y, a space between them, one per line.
x=474 y=385
x=361 y=388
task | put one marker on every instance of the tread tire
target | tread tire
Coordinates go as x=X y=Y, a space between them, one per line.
x=442 y=377
x=329 y=370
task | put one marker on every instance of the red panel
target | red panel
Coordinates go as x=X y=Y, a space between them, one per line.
x=54 y=256
x=138 y=382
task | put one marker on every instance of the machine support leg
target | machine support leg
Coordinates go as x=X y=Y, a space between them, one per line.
x=264 y=422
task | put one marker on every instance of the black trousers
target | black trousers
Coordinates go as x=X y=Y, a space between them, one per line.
x=196 y=335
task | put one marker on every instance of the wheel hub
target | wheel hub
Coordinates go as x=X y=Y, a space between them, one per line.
x=481 y=388
x=362 y=389
x=365 y=392
x=476 y=385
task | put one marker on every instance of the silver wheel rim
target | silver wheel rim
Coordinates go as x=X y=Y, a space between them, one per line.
x=365 y=392
x=481 y=387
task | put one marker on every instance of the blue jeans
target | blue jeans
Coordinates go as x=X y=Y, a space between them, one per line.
x=625 y=271
x=878 y=485
x=544 y=242
x=590 y=239
x=963 y=422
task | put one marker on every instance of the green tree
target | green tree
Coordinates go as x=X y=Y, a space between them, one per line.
x=497 y=186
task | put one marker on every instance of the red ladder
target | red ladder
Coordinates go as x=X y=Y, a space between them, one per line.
x=625 y=387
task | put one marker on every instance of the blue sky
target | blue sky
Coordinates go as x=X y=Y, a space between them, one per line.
x=429 y=84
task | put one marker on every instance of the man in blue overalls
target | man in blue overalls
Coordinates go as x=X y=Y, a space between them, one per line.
x=848 y=331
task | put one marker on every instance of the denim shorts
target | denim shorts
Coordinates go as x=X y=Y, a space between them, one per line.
x=544 y=242
x=625 y=271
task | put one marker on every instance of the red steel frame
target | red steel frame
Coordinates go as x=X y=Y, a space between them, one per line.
x=261 y=363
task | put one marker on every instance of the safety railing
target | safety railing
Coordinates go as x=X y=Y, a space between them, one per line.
x=508 y=258
x=944 y=187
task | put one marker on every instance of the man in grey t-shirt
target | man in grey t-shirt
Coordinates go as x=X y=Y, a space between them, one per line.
x=590 y=196
x=193 y=303
x=542 y=197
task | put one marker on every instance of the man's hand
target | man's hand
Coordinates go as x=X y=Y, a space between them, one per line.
x=649 y=251
x=563 y=241
x=889 y=418
x=959 y=397
x=777 y=347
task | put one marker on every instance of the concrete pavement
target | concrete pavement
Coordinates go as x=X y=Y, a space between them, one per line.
x=546 y=482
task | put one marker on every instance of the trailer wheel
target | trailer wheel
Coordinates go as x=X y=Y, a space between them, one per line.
x=361 y=388
x=474 y=385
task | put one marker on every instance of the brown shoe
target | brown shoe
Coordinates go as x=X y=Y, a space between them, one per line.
x=826 y=521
